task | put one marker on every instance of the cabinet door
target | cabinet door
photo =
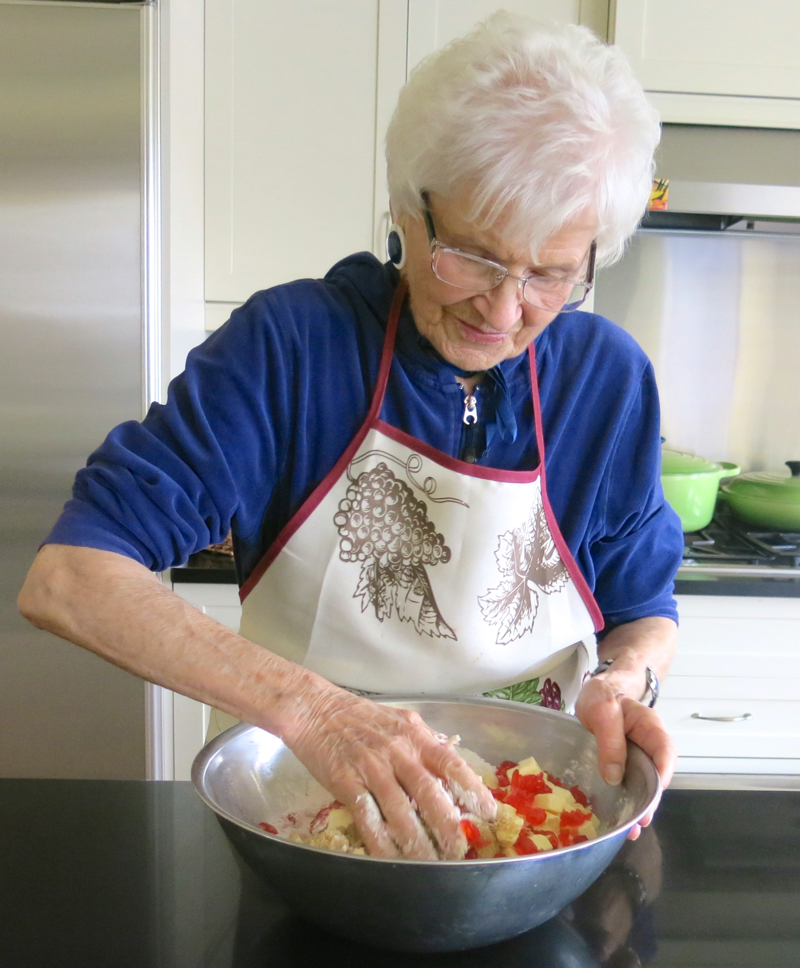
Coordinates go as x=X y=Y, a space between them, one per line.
x=761 y=729
x=732 y=699
x=290 y=139
x=434 y=23
x=719 y=47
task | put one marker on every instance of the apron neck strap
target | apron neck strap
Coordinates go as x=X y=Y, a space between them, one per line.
x=537 y=409
x=388 y=351
x=386 y=365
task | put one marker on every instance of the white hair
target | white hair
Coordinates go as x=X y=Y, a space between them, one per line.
x=541 y=122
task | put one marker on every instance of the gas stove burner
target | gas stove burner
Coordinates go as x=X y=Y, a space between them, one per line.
x=728 y=543
x=780 y=542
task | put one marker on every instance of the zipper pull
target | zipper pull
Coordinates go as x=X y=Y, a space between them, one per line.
x=470 y=409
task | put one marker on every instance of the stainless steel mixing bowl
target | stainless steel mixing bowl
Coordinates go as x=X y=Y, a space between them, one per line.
x=244 y=775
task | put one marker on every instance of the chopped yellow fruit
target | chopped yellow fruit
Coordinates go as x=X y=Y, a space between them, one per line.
x=588 y=829
x=541 y=842
x=528 y=766
x=554 y=802
x=508 y=824
x=510 y=852
x=339 y=819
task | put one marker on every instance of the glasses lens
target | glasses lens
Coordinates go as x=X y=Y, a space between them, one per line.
x=554 y=295
x=464 y=271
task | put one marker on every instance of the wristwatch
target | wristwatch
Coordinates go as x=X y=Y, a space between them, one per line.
x=650 y=678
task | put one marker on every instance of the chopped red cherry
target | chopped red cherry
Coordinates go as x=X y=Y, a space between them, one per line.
x=502 y=772
x=579 y=796
x=574 y=818
x=532 y=783
x=523 y=804
x=525 y=845
x=473 y=835
x=269 y=828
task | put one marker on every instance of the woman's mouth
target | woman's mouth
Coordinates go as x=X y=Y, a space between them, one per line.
x=476 y=335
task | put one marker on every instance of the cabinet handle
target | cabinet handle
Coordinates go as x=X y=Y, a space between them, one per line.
x=724 y=719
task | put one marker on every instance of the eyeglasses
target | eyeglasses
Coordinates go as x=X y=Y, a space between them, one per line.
x=473 y=273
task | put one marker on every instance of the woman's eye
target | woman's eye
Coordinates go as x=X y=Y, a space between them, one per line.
x=540 y=281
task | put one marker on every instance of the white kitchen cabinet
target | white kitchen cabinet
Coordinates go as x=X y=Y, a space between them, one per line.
x=290 y=139
x=298 y=98
x=730 y=62
x=737 y=667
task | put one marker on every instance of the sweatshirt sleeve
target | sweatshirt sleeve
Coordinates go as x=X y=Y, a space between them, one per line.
x=637 y=550
x=159 y=490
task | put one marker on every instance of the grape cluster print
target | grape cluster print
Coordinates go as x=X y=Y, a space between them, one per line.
x=386 y=530
x=551 y=695
x=528 y=691
x=528 y=562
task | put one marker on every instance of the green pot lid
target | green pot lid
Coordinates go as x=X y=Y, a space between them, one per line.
x=675 y=462
x=775 y=486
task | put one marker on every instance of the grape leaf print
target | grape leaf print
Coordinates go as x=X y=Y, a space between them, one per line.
x=384 y=528
x=529 y=563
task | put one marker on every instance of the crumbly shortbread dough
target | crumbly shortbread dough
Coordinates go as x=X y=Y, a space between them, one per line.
x=333 y=826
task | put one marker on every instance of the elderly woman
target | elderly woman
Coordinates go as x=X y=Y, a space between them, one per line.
x=440 y=476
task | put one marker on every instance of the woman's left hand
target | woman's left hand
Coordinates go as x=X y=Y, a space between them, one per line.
x=614 y=717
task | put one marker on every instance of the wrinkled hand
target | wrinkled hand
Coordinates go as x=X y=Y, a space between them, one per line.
x=389 y=769
x=612 y=716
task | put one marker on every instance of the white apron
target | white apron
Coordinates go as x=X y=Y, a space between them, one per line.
x=408 y=571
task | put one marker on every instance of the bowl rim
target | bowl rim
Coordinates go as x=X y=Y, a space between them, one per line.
x=206 y=754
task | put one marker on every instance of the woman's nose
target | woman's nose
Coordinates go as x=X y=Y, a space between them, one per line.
x=502 y=306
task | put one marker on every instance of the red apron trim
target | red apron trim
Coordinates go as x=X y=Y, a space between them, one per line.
x=537 y=412
x=453 y=463
x=321 y=490
x=571 y=565
x=563 y=549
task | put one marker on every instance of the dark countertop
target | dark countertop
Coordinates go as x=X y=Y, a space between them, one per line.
x=111 y=874
x=206 y=567
x=746 y=586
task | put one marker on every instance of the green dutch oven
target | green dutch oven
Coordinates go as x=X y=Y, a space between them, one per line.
x=690 y=485
x=769 y=499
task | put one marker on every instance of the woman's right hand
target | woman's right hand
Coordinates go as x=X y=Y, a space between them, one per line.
x=384 y=764
x=402 y=782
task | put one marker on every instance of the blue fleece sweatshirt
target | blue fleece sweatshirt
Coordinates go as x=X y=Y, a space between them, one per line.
x=269 y=402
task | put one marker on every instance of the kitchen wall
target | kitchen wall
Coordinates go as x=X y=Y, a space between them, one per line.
x=719 y=313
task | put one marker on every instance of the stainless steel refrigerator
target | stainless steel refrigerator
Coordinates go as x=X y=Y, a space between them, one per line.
x=76 y=357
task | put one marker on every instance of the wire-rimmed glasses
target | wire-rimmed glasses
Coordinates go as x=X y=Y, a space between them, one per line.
x=474 y=273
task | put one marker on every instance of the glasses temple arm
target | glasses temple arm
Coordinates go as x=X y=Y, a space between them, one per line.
x=428 y=217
